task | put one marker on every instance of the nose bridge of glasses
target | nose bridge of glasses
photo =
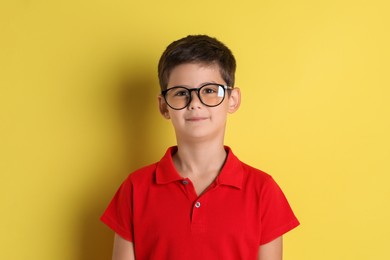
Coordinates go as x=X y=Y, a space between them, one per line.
x=191 y=98
x=196 y=90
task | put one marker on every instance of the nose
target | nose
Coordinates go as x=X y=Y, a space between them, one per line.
x=195 y=101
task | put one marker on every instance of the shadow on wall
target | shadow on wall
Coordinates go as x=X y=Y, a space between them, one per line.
x=136 y=103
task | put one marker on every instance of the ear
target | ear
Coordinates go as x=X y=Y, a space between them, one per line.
x=234 y=100
x=163 y=107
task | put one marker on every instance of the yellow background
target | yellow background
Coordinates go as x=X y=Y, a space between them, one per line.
x=78 y=112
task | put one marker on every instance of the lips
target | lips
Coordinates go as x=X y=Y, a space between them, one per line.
x=196 y=118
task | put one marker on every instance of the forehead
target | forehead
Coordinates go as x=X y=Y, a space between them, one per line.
x=195 y=74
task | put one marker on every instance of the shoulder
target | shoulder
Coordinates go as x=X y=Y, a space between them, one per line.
x=254 y=174
x=160 y=171
x=143 y=174
x=235 y=164
x=258 y=180
x=238 y=171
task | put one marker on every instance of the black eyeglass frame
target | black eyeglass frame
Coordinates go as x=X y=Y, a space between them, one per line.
x=224 y=87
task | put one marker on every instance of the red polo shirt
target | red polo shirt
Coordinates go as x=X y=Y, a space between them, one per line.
x=161 y=214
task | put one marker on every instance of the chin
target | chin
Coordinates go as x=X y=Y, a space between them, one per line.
x=201 y=136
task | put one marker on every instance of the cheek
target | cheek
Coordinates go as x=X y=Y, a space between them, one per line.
x=223 y=109
x=220 y=115
x=175 y=117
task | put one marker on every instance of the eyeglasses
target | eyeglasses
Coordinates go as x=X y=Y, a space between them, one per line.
x=210 y=94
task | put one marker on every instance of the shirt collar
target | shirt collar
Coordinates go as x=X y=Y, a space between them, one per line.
x=166 y=171
x=231 y=173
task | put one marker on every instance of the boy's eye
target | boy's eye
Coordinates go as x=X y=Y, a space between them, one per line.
x=209 y=90
x=180 y=93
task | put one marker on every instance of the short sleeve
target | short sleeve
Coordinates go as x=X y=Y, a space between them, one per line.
x=118 y=215
x=277 y=217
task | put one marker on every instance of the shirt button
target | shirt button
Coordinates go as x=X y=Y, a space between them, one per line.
x=185 y=182
x=197 y=204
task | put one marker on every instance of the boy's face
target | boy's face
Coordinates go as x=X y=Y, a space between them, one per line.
x=198 y=122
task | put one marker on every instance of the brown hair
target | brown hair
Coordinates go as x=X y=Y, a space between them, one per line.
x=197 y=49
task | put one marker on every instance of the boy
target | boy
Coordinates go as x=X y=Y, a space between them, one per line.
x=199 y=201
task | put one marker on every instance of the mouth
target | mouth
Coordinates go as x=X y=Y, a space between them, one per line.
x=196 y=119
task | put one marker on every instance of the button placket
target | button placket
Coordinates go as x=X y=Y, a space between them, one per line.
x=198 y=218
x=186 y=186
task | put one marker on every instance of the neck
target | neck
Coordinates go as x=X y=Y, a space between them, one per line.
x=199 y=158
